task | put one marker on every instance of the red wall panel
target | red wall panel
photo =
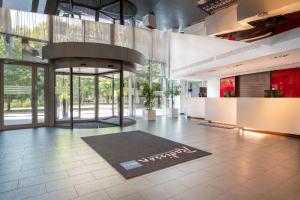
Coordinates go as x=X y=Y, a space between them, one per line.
x=288 y=81
x=227 y=85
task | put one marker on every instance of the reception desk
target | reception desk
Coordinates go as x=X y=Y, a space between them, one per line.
x=280 y=115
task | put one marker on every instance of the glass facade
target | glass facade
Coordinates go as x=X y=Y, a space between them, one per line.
x=22 y=36
x=153 y=73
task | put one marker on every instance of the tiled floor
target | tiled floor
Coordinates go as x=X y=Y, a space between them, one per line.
x=55 y=164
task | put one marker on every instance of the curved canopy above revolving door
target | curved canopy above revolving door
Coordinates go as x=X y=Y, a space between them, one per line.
x=77 y=65
x=81 y=54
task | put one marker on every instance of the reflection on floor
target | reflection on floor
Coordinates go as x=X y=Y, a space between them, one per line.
x=53 y=163
x=116 y=120
x=87 y=125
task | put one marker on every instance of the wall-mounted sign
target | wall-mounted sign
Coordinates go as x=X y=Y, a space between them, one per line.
x=212 y=6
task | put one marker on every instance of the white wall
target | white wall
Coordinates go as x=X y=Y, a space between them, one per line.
x=213 y=87
x=186 y=49
x=222 y=110
x=193 y=107
x=280 y=115
x=270 y=114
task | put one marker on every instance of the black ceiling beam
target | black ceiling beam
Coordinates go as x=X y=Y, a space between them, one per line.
x=122 y=12
x=103 y=13
x=72 y=10
x=108 y=5
x=91 y=7
x=34 y=5
x=51 y=7
x=72 y=4
x=79 y=4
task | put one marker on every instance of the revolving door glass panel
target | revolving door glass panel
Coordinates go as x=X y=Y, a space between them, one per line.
x=84 y=97
x=63 y=98
x=106 y=98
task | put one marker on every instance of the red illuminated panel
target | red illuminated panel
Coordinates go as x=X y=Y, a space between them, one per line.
x=287 y=81
x=227 y=85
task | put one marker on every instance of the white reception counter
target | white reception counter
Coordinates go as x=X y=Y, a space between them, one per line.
x=280 y=115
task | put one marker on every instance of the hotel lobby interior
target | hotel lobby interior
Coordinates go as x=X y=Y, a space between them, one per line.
x=149 y=100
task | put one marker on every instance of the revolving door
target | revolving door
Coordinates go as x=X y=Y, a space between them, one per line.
x=90 y=98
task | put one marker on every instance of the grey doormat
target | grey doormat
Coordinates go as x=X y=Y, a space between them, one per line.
x=136 y=153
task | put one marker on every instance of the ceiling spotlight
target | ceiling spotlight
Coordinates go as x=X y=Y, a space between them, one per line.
x=281 y=56
x=200 y=2
x=213 y=70
x=262 y=14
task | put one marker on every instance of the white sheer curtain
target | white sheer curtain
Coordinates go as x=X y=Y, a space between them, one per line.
x=2 y=20
x=27 y=24
x=143 y=42
x=123 y=36
x=160 y=46
x=97 y=32
x=67 y=29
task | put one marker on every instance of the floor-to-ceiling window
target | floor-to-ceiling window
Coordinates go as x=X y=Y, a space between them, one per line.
x=158 y=81
x=153 y=73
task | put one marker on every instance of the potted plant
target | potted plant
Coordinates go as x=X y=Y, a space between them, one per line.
x=149 y=95
x=172 y=93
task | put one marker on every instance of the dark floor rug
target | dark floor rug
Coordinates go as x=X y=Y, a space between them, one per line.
x=136 y=153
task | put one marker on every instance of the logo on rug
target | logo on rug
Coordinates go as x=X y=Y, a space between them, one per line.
x=173 y=154
x=131 y=165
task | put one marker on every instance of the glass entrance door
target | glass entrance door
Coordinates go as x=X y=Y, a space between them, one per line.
x=23 y=95
x=17 y=95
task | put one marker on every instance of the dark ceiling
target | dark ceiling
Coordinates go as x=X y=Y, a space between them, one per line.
x=169 y=13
